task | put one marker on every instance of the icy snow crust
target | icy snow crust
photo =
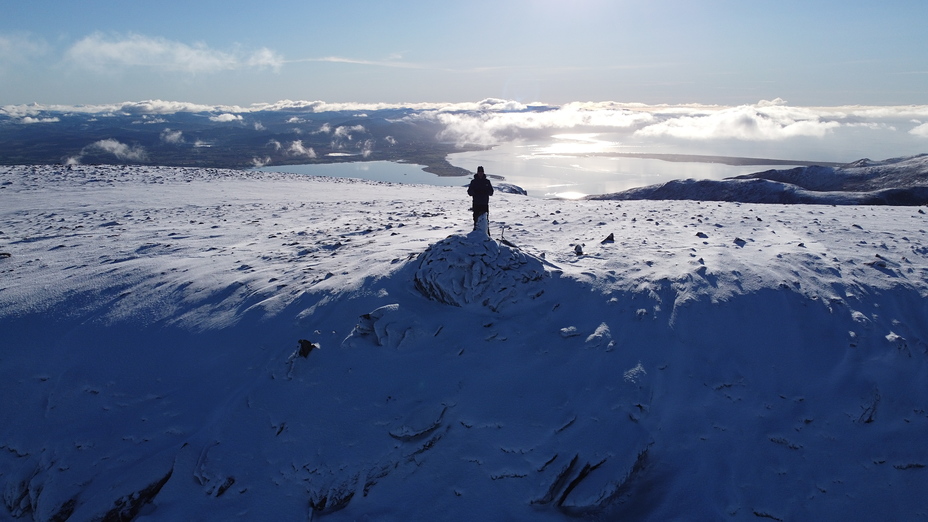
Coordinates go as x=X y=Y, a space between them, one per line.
x=714 y=361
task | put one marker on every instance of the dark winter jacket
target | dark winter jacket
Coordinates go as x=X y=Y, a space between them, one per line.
x=481 y=189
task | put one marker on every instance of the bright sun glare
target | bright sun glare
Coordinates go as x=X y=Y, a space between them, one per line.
x=576 y=144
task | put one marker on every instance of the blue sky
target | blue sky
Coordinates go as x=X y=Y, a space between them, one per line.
x=818 y=52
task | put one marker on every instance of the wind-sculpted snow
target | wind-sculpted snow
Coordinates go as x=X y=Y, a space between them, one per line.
x=473 y=268
x=185 y=344
x=899 y=181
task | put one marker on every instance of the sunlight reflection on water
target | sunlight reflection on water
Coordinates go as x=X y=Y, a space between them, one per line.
x=372 y=170
x=558 y=168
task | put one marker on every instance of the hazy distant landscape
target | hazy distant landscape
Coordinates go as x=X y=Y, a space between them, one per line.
x=226 y=140
x=565 y=143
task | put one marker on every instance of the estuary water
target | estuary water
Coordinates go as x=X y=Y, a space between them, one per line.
x=372 y=170
x=558 y=168
x=546 y=172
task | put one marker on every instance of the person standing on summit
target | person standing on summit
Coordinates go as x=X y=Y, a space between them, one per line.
x=480 y=189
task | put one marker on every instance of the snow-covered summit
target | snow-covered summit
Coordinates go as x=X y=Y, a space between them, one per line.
x=197 y=344
x=897 y=181
x=473 y=268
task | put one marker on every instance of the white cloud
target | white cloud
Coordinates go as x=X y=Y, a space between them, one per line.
x=265 y=58
x=225 y=117
x=260 y=162
x=872 y=125
x=172 y=107
x=276 y=145
x=489 y=128
x=921 y=130
x=296 y=148
x=18 y=48
x=492 y=121
x=611 y=114
x=345 y=131
x=121 y=150
x=140 y=108
x=367 y=148
x=174 y=137
x=747 y=122
x=99 y=52
x=321 y=106
x=30 y=119
x=776 y=102
x=160 y=107
x=114 y=147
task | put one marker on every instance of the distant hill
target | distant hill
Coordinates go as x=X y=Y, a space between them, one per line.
x=897 y=181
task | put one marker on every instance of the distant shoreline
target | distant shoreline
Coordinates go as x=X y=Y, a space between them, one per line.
x=724 y=160
x=444 y=168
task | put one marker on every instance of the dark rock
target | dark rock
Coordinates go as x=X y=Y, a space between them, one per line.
x=64 y=512
x=306 y=347
x=128 y=507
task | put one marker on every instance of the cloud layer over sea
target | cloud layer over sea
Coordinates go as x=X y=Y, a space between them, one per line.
x=767 y=128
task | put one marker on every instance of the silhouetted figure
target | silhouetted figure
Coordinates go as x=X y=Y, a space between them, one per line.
x=480 y=189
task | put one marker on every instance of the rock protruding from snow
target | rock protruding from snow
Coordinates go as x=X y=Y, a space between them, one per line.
x=387 y=326
x=461 y=270
x=509 y=188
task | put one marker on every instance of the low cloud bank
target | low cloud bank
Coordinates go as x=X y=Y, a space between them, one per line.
x=759 y=122
x=492 y=121
x=764 y=121
x=771 y=127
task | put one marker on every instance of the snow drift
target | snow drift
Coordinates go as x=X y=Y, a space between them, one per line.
x=215 y=345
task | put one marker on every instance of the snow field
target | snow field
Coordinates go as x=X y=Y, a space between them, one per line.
x=715 y=361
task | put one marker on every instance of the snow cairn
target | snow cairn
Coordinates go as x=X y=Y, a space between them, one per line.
x=474 y=268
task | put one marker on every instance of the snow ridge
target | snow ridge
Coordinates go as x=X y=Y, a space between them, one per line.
x=897 y=181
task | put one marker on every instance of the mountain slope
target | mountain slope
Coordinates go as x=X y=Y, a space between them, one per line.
x=899 y=181
x=713 y=361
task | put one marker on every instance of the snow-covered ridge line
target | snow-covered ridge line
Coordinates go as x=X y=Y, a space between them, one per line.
x=897 y=181
x=658 y=360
